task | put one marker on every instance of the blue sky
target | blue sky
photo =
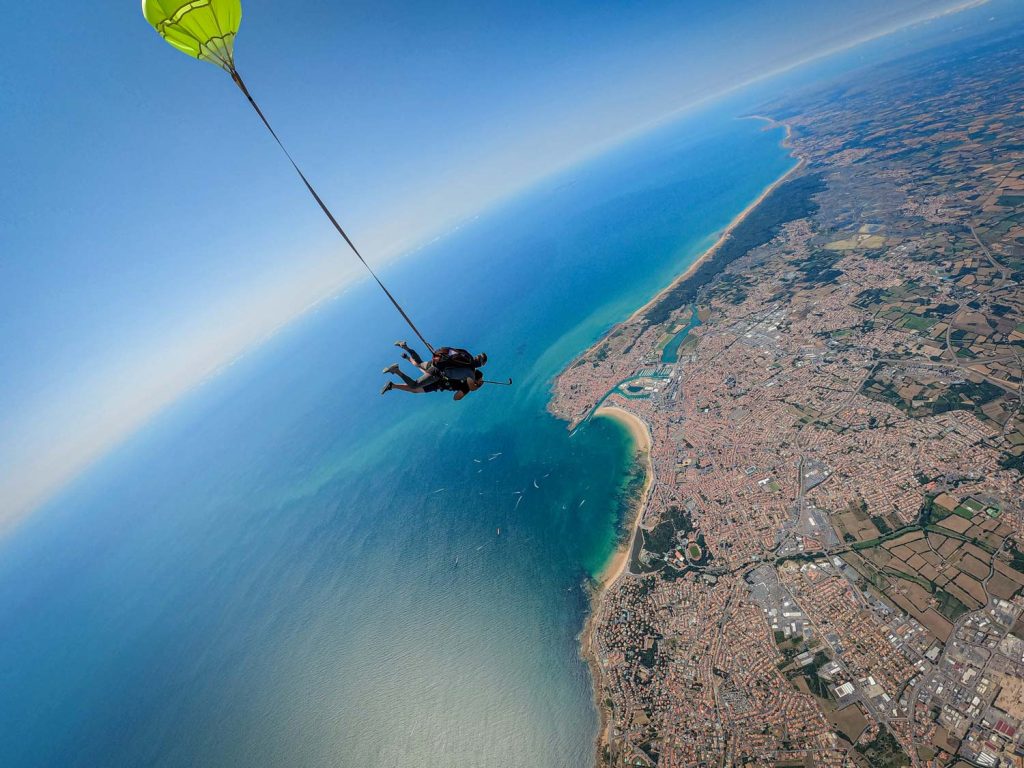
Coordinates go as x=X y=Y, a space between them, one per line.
x=152 y=232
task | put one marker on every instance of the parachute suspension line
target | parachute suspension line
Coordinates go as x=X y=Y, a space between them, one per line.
x=323 y=207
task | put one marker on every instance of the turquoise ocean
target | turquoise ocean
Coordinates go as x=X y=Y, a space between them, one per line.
x=287 y=569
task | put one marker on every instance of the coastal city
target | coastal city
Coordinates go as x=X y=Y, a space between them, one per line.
x=825 y=567
x=546 y=384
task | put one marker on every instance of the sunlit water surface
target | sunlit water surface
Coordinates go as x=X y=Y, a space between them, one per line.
x=288 y=569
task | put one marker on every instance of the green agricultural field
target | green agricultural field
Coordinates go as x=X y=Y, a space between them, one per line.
x=917 y=323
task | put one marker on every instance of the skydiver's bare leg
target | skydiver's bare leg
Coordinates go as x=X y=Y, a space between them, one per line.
x=409 y=380
x=407 y=388
x=423 y=367
x=410 y=354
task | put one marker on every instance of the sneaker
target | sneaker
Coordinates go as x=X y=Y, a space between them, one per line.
x=387 y=387
x=393 y=368
x=402 y=344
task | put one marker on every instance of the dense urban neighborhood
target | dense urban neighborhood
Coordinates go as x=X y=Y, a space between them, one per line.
x=826 y=566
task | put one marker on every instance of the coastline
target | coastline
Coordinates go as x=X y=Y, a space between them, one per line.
x=736 y=221
x=616 y=566
x=641 y=435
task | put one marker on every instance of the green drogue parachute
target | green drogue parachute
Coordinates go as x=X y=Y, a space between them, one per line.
x=206 y=30
x=203 y=29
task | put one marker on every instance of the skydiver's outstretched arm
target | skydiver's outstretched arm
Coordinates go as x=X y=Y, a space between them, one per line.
x=473 y=383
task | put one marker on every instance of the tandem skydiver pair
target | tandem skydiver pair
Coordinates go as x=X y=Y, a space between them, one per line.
x=449 y=369
x=206 y=31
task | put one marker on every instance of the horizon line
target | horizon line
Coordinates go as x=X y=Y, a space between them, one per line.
x=36 y=501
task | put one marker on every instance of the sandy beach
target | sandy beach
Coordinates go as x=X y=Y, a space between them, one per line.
x=710 y=252
x=641 y=434
x=616 y=566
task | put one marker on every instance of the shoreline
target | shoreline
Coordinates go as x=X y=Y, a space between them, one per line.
x=735 y=222
x=641 y=435
x=643 y=442
x=617 y=564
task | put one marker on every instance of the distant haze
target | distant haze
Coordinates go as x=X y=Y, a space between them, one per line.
x=152 y=233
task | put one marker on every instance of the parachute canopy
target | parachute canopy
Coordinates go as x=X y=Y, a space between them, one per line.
x=203 y=29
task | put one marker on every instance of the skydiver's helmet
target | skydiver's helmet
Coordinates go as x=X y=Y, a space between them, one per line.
x=480 y=360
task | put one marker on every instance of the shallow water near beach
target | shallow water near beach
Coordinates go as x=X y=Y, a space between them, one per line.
x=288 y=569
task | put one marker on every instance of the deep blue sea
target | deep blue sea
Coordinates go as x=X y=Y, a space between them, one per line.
x=287 y=569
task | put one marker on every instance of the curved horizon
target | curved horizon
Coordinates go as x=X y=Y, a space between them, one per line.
x=43 y=462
